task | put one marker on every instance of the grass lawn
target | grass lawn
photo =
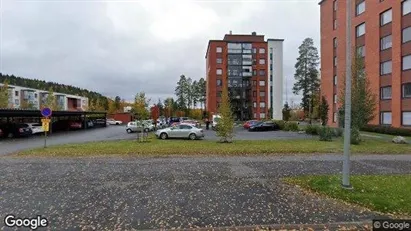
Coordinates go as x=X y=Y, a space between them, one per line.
x=382 y=193
x=157 y=147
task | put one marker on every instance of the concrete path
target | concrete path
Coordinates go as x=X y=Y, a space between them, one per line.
x=148 y=193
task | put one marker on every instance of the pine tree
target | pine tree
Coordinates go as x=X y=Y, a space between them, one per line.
x=225 y=126
x=181 y=93
x=117 y=103
x=323 y=111
x=286 y=112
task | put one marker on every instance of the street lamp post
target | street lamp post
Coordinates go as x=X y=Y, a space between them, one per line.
x=347 y=117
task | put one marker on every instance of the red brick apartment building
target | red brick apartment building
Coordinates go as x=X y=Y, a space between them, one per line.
x=252 y=70
x=381 y=33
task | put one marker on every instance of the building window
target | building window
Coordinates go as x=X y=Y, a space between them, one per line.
x=386 y=17
x=271 y=56
x=386 y=42
x=261 y=50
x=254 y=104
x=386 y=67
x=219 y=82
x=335 y=24
x=255 y=115
x=16 y=93
x=262 y=115
x=406 y=90
x=361 y=51
x=35 y=95
x=335 y=98
x=335 y=42
x=262 y=83
x=219 y=71
x=406 y=7
x=254 y=94
x=219 y=49
x=271 y=67
x=335 y=5
x=360 y=30
x=262 y=104
x=262 y=93
x=261 y=61
x=406 y=35
x=254 y=82
x=335 y=61
x=406 y=118
x=386 y=118
x=335 y=117
x=360 y=8
x=261 y=72
x=219 y=60
x=386 y=92
x=406 y=62
x=254 y=50
x=335 y=80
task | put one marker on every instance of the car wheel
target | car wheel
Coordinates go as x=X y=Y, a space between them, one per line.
x=192 y=136
x=10 y=135
x=146 y=130
x=117 y=124
x=128 y=130
x=163 y=136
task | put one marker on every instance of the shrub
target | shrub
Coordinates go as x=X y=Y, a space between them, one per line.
x=338 y=132
x=355 y=136
x=280 y=123
x=291 y=126
x=326 y=133
x=387 y=130
x=312 y=129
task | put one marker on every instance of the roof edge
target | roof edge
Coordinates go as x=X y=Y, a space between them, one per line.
x=321 y=2
x=282 y=40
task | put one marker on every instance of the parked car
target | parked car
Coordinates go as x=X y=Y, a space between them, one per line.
x=264 y=126
x=249 y=123
x=99 y=122
x=181 y=131
x=214 y=121
x=16 y=130
x=73 y=125
x=173 y=120
x=114 y=122
x=36 y=128
x=132 y=127
x=192 y=122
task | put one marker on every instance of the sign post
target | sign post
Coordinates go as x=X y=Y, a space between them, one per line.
x=45 y=122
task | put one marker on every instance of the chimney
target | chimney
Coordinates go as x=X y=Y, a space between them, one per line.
x=254 y=33
x=231 y=32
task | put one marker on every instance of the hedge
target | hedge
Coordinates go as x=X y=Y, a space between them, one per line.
x=387 y=130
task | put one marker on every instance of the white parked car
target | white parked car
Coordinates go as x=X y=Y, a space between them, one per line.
x=36 y=128
x=132 y=127
x=114 y=122
x=181 y=131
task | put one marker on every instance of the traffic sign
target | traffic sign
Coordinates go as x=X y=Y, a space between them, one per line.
x=46 y=112
x=46 y=127
x=45 y=120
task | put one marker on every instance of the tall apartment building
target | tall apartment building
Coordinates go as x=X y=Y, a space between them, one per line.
x=252 y=70
x=381 y=34
x=18 y=96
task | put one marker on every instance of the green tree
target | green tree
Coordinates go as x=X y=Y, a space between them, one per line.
x=4 y=95
x=306 y=74
x=51 y=101
x=225 y=126
x=323 y=111
x=201 y=91
x=117 y=103
x=195 y=92
x=169 y=107
x=181 y=93
x=160 y=107
x=286 y=112
x=140 y=106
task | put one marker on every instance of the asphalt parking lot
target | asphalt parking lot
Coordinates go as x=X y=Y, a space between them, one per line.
x=114 y=132
x=152 y=193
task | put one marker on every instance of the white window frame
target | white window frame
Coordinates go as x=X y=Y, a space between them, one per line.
x=218 y=60
x=262 y=95
x=335 y=117
x=262 y=104
x=359 y=32
x=361 y=51
x=262 y=83
x=408 y=113
x=383 y=119
x=360 y=8
x=386 y=15
x=335 y=42
x=219 y=50
x=335 y=80
x=261 y=61
x=406 y=7
x=335 y=5
x=219 y=71
x=335 y=98
x=262 y=115
x=408 y=66
x=261 y=50
x=254 y=104
x=335 y=61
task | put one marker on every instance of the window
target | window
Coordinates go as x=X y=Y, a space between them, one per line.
x=271 y=56
x=406 y=35
x=406 y=90
x=261 y=72
x=254 y=94
x=360 y=30
x=219 y=71
x=386 y=17
x=262 y=83
x=386 y=67
x=254 y=104
x=262 y=115
x=219 y=82
x=261 y=50
x=386 y=42
x=254 y=72
x=406 y=118
x=335 y=24
x=254 y=82
x=360 y=8
x=335 y=117
x=386 y=92
x=219 y=60
x=361 y=51
x=335 y=98
x=262 y=93
x=406 y=62
x=335 y=42
x=254 y=61
x=406 y=7
x=16 y=93
x=335 y=61
x=262 y=61
x=271 y=67
x=335 y=80
x=254 y=50
x=335 y=5
x=386 y=118
x=262 y=104
x=219 y=49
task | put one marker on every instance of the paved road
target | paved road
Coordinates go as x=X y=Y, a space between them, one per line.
x=147 y=193
x=118 y=133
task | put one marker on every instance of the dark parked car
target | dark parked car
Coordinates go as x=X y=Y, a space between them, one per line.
x=15 y=130
x=264 y=126
x=174 y=120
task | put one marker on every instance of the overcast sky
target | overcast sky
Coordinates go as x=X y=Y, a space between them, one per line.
x=124 y=47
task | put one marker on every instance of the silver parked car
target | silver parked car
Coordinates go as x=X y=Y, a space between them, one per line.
x=132 y=127
x=181 y=131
